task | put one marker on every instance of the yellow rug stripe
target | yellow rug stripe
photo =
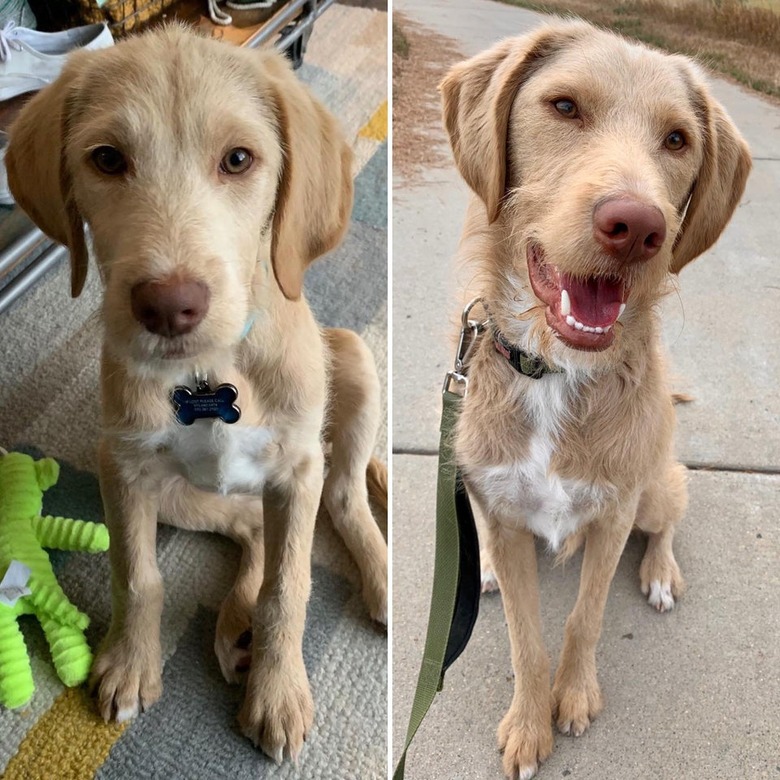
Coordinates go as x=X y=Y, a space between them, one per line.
x=69 y=742
x=376 y=127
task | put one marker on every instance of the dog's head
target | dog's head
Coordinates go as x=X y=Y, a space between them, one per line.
x=602 y=166
x=208 y=176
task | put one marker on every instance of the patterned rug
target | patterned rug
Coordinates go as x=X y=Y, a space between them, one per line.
x=49 y=405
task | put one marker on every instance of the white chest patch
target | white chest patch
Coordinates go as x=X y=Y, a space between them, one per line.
x=218 y=457
x=527 y=492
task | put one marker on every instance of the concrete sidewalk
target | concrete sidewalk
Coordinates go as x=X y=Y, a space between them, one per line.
x=692 y=694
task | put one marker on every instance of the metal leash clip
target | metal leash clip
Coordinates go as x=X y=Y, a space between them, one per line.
x=456 y=380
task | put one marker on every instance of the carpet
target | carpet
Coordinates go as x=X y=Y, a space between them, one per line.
x=49 y=349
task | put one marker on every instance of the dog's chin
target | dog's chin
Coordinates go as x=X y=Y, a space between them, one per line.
x=582 y=311
x=157 y=354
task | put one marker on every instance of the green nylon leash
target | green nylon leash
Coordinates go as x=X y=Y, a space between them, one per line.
x=456 y=573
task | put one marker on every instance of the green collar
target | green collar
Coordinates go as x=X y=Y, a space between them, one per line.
x=525 y=364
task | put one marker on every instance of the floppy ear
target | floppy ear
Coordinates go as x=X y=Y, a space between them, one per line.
x=38 y=174
x=719 y=184
x=477 y=98
x=314 y=199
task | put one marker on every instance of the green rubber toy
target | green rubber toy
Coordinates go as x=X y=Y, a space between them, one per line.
x=23 y=535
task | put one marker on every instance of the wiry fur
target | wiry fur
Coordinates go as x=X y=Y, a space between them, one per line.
x=586 y=454
x=175 y=103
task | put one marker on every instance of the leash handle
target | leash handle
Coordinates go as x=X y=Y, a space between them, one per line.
x=456 y=579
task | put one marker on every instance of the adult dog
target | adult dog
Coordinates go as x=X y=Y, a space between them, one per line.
x=209 y=178
x=599 y=168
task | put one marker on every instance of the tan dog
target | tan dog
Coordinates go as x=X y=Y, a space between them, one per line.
x=209 y=178
x=599 y=167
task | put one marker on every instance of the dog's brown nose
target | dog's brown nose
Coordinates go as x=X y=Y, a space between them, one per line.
x=629 y=230
x=170 y=308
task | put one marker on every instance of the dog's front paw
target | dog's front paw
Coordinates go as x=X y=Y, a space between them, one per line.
x=661 y=581
x=127 y=680
x=576 y=704
x=233 y=640
x=525 y=742
x=278 y=711
x=375 y=596
x=659 y=575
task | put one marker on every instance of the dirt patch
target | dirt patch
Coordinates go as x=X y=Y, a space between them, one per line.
x=728 y=36
x=421 y=59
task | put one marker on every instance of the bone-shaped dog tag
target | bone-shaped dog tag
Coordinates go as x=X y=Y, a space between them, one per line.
x=204 y=403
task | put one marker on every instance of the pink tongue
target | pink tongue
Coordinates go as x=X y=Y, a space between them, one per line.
x=594 y=301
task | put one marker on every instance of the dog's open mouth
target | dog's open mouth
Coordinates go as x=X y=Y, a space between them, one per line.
x=581 y=311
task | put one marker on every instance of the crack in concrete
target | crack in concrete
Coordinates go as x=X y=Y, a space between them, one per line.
x=693 y=465
x=732 y=468
x=414 y=451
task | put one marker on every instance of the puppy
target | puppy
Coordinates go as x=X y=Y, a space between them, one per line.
x=209 y=178
x=599 y=167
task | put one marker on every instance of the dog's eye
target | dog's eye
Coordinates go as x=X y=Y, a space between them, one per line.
x=675 y=141
x=109 y=160
x=236 y=161
x=566 y=108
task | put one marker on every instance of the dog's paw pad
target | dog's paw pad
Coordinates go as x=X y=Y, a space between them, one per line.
x=660 y=596
x=234 y=654
x=244 y=641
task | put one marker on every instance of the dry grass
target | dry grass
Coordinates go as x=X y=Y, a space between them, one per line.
x=729 y=19
x=740 y=38
x=421 y=58
x=400 y=42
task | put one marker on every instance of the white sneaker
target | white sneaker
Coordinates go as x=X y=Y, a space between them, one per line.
x=29 y=60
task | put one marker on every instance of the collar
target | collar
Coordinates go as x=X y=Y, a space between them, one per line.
x=525 y=364
x=248 y=325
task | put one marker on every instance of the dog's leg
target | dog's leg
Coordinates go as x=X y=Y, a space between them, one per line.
x=127 y=671
x=662 y=506
x=489 y=583
x=233 y=640
x=241 y=519
x=525 y=734
x=352 y=430
x=487 y=575
x=278 y=708
x=346 y=499
x=576 y=693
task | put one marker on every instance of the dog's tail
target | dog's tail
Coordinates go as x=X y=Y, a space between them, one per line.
x=376 y=479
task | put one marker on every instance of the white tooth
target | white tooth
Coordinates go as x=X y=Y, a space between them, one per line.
x=598 y=330
x=622 y=309
x=608 y=329
x=565 y=304
x=578 y=325
x=570 y=321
